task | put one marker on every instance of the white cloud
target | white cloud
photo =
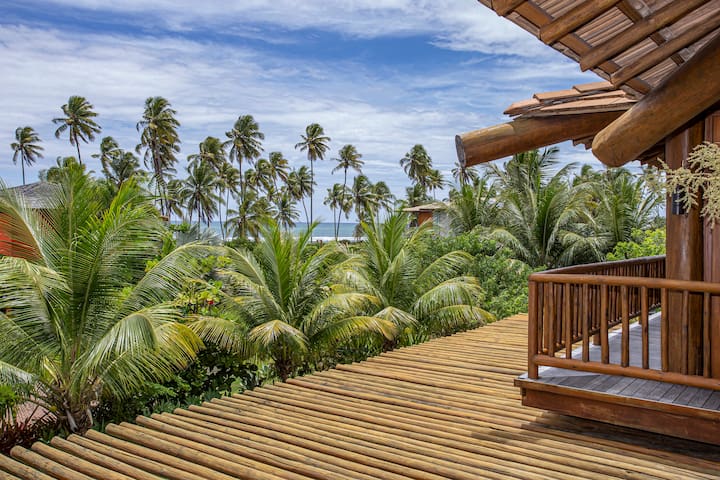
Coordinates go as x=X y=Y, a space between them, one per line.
x=382 y=110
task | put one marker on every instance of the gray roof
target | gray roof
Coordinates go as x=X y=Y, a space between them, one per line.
x=38 y=195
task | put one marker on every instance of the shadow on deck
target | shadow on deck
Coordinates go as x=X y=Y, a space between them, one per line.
x=443 y=409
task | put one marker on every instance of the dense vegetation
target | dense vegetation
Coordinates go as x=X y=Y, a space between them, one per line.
x=111 y=311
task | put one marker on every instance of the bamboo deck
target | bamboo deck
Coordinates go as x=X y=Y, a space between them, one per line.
x=444 y=409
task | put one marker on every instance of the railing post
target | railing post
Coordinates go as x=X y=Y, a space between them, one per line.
x=532 y=329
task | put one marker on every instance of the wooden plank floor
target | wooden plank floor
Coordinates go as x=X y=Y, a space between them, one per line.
x=444 y=409
x=632 y=387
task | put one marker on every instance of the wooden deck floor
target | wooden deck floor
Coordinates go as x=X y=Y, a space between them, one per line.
x=444 y=409
x=631 y=387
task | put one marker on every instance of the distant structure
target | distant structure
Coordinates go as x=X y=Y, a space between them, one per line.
x=431 y=212
x=37 y=196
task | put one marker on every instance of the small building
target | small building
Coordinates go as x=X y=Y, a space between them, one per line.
x=38 y=196
x=431 y=212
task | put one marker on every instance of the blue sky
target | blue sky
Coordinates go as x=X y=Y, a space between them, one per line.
x=380 y=74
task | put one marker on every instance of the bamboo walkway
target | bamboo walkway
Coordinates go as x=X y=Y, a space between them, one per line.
x=443 y=409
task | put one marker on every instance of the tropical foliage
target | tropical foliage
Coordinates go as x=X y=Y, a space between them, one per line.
x=83 y=320
x=26 y=148
x=78 y=122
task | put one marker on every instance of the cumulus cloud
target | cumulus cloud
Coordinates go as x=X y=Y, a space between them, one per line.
x=382 y=109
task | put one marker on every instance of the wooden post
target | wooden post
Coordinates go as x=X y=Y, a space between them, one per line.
x=711 y=270
x=684 y=262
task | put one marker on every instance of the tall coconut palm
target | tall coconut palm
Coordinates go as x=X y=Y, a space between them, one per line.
x=265 y=176
x=122 y=168
x=435 y=180
x=251 y=214
x=279 y=167
x=348 y=158
x=363 y=198
x=212 y=152
x=545 y=220
x=383 y=198
x=245 y=142
x=337 y=199
x=464 y=175
x=26 y=148
x=397 y=288
x=417 y=165
x=229 y=178
x=78 y=122
x=315 y=143
x=282 y=302
x=199 y=192
x=300 y=184
x=286 y=214
x=83 y=322
x=159 y=137
x=109 y=150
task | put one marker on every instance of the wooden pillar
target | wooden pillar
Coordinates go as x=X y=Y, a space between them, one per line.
x=684 y=262
x=711 y=267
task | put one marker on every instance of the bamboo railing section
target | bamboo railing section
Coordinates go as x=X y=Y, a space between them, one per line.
x=584 y=303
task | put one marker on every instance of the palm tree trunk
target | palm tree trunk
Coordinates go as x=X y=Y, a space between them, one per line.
x=222 y=228
x=307 y=219
x=342 y=203
x=227 y=203
x=22 y=165
x=312 y=190
x=77 y=145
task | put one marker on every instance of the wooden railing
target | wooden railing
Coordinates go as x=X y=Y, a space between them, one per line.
x=585 y=303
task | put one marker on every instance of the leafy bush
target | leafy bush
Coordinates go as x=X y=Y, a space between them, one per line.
x=504 y=280
x=645 y=243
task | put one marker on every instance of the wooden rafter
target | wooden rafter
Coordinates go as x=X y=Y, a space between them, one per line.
x=574 y=19
x=504 y=7
x=638 y=32
x=631 y=12
x=524 y=134
x=666 y=49
x=689 y=91
x=538 y=17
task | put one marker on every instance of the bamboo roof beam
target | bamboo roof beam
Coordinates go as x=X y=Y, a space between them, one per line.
x=638 y=32
x=574 y=19
x=690 y=90
x=504 y=7
x=523 y=134
x=665 y=50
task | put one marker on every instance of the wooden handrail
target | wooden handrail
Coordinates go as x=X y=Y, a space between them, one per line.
x=573 y=306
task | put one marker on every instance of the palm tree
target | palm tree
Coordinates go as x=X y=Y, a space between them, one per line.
x=434 y=180
x=26 y=148
x=265 y=176
x=160 y=139
x=109 y=150
x=229 y=178
x=82 y=320
x=279 y=167
x=464 y=175
x=545 y=220
x=199 y=192
x=474 y=206
x=300 y=184
x=78 y=121
x=417 y=165
x=393 y=286
x=175 y=204
x=348 y=158
x=286 y=215
x=336 y=200
x=622 y=203
x=363 y=198
x=245 y=141
x=252 y=213
x=383 y=198
x=211 y=151
x=315 y=143
x=281 y=302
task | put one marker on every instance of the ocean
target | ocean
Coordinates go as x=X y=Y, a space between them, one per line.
x=323 y=231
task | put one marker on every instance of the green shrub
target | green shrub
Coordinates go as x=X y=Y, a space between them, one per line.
x=645 y=243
